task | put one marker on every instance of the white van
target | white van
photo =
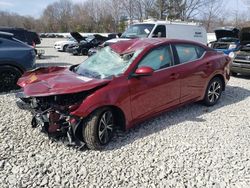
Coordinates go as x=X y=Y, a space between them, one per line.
x=165 y=29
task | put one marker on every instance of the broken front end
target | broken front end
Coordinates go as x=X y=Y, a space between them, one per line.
x=52 y=115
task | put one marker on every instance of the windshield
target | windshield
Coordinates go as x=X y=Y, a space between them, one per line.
x=138 y=31
x=106 y=63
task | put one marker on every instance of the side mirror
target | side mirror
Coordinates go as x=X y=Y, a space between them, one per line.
x=143 y=71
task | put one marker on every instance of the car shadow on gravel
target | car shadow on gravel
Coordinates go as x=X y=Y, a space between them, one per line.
x=247 y=77
x=9 y=92
x=191 y=112
x=44 y=47
x=45 y=57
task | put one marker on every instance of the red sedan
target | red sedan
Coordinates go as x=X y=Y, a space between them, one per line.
x=121 y=86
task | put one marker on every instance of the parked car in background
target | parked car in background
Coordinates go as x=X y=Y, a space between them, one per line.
x=16 y=57
x=82 y=47
x=241 y=58
x=227 y=40
x=122 y=85
x=93 y=50
x=165 y=29
x=29 y=37
x=75 y=39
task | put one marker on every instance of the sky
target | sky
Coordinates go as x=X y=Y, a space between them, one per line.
x=35 y=8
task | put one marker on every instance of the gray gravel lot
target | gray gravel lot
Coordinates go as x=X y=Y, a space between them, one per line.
x=193 y=146
x=52 y=57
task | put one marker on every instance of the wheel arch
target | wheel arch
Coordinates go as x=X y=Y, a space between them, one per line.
x=221 y=77
x=118 y=113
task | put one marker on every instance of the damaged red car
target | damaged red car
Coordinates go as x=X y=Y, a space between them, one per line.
x=120 y=86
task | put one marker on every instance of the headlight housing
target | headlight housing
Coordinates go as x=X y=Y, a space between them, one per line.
x=232 y=55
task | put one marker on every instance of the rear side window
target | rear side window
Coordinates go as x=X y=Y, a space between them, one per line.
x=188 y=52
x=160 y=31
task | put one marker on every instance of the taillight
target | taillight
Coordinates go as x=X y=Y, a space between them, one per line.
x=33 y=44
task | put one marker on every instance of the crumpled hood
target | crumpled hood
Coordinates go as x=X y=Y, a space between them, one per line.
x=56 y=81
x=245 y=36
x=230 y=33
x=115 y=40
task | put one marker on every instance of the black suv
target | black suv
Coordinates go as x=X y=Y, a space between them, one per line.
x=29 y=37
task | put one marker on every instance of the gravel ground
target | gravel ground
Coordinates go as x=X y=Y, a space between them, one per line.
x=53 y=57
x=193 y=146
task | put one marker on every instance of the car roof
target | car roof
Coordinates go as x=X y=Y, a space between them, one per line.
x=6 y=35
x=128 y=46
x=162 y=22
x=12 y=28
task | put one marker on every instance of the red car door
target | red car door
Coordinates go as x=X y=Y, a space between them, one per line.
x=193 y=74
x=161 y=90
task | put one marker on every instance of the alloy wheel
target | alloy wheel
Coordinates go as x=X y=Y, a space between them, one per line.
x=214 y=91
x=105 y=128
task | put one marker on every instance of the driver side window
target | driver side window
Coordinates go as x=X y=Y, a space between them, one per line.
x=158 y=58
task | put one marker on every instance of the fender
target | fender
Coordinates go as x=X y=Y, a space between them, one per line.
x=117 y=97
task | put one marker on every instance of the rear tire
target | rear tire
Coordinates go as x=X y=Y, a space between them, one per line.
x=8 y=78
x=213 y=92
x=98 y=129
x=84 y=51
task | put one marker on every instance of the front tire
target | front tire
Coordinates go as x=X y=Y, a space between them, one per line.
x=65 y=47
x=98 y=129
x=8 y=78
x=213 y=92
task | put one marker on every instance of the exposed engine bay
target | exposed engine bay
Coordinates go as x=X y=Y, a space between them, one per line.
x=52 y=115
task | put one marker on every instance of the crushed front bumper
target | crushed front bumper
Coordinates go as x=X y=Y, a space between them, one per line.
x=54 y=123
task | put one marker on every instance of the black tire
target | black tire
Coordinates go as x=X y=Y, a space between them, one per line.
x=213 y=92
x=8 y=78
x=65 y=47
x=75 y=52
x=234 y=74
x=84 y=51
x=96 y=133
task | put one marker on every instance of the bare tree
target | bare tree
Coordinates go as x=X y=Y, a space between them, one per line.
x=129 y=8
x=161 y=7
x=147 y=6
x=211 y=13
x=115 y=8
